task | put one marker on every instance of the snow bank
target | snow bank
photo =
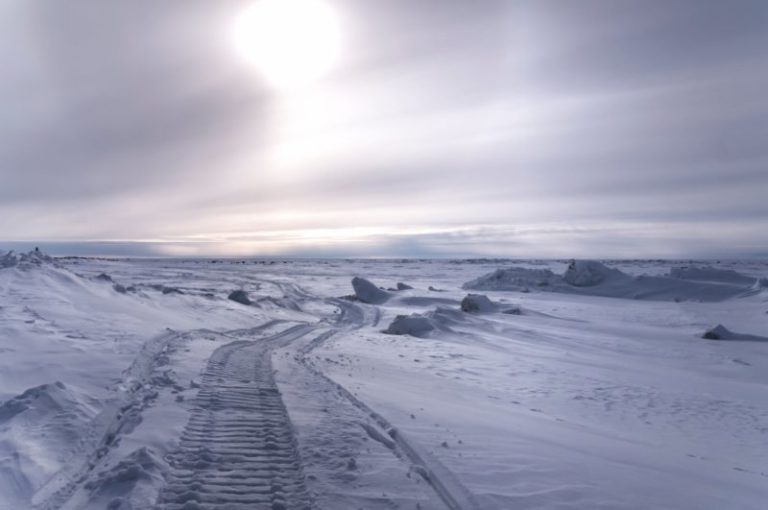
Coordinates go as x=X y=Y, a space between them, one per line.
x=39 y=431
x=367 y=292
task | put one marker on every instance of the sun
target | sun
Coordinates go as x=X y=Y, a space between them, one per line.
x=291 y=42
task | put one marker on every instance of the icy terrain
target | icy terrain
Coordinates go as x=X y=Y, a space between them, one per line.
x=417 y=384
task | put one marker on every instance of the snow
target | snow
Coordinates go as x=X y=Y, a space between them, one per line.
x=584 y=385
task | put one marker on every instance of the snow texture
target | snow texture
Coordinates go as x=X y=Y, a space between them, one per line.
x=568 y=385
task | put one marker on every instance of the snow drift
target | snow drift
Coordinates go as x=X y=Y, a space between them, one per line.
x=39 y=431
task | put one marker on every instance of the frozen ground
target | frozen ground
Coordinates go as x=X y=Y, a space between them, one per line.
x=139 y=384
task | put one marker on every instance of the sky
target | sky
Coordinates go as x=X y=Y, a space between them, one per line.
x=445 y=128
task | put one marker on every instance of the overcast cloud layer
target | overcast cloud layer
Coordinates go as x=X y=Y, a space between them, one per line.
x=504 y=128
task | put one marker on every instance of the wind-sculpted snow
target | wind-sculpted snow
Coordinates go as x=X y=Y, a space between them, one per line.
x=39 y=430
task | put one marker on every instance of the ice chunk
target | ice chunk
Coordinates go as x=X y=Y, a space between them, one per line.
x=413 y=325
x=240 y=296
x=514 y=278
x=478 y=303
x=588 y=273
x=720 y=332
x=367 y=292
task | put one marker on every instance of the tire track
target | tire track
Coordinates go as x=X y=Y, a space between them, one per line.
x=238 y=449
x=445 y=484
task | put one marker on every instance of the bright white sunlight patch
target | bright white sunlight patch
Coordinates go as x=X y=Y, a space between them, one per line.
x=291 y=42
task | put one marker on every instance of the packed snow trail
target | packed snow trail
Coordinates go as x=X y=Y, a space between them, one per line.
x=238 y=449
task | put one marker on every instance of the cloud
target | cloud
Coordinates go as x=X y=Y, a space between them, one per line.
x=136 y=121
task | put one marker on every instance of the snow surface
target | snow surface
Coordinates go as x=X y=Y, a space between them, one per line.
x=599 y=388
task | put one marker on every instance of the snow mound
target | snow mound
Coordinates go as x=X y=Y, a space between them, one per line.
x=367 y=292
x=134 y=482
x=239 y=296
x=32 y=258
x=38 y=402
x=403 y=286
x=478 y=303
x=710 y=274
x=413 y=325
x=720 y=332
x=514 y=278
x=588 y=273
x=40 y=430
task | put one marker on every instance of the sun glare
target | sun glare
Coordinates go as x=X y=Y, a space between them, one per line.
x=291 y=42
